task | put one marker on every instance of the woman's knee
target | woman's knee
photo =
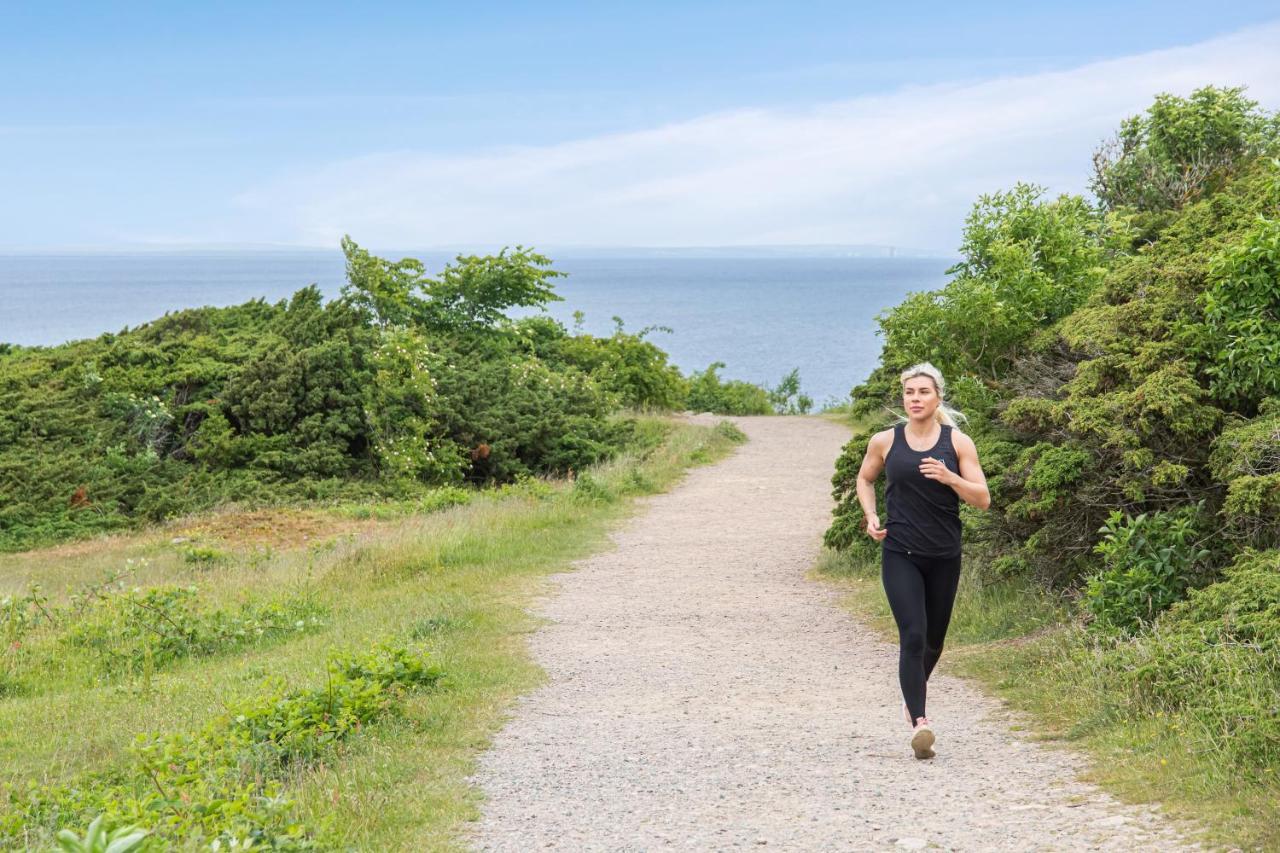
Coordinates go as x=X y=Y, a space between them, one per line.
x=912 y=641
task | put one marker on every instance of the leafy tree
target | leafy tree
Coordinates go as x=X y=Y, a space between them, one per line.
x=1026 y=263
x=787 y=398
x=471 y=294
x=1181 y=149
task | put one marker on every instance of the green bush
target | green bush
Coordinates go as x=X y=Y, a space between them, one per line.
x=1181 y=149
x=129 y=631
x=709 y=393
x=787 y=398
x=403 y=384
x=1149 y=561
x=1237 y=340
x=624 y=364
x=1216 y=657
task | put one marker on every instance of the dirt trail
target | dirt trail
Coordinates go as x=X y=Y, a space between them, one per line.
x=703 y=694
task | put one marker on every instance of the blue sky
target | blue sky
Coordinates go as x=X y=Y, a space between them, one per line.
x=429 y=124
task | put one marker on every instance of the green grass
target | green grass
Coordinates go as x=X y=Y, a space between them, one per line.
x=456 y=581
x=1021 y=644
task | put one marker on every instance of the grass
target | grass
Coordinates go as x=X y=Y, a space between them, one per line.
x=456 y=580
x=1023 y=645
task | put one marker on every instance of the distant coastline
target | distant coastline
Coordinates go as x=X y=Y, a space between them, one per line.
x=816 y=250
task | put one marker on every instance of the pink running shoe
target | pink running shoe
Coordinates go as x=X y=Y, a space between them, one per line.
x=922 y=739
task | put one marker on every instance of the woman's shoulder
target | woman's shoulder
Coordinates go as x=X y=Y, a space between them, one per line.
x=883 y=439
x=887 y=434
x=959 y=439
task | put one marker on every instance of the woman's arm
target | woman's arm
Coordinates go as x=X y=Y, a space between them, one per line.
x=970 y=484
x=872 y=465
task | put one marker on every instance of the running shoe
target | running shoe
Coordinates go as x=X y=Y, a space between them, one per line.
x=922 y=739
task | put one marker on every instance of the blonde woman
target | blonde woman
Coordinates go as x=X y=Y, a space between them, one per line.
x=930 y=466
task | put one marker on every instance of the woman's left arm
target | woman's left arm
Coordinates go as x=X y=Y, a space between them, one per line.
x=970 y=484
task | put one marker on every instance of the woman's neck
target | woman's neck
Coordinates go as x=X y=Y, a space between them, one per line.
x=922 y=428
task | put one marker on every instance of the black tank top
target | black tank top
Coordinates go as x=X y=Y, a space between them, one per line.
x=923 y=514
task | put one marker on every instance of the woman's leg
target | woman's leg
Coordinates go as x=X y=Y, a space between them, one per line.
x=904 y=586
x=941 y=579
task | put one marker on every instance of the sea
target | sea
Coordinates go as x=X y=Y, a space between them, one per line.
x=761 y=316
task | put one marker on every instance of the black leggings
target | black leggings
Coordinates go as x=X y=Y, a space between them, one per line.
x=921 y=591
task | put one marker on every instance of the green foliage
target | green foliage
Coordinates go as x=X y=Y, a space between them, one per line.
x=1246 y=457
x=787 y=398
x=1051 y=472
x=222 y=783
x=846 y=530
x=110 y=631
x=624 y=364
x=1149 y=561
x=96 y=839
x=402 y=406
x=203 y=554
x=471 y=295
x=709 y=393
x=1252 y=507
x=474 y=292
x=730 y=432
x=1238 y=340
x=520 y=416
x=1216 y=658
x=1026 y=263
x=1181 y=149
x=130 y=631
x=404 y=384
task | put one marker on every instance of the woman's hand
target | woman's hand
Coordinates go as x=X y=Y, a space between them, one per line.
x=935 y=469
x=874 y=530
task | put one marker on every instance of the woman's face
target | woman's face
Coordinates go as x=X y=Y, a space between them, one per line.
x=920 y=398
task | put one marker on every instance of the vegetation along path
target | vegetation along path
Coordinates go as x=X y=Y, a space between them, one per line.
x=703 y=692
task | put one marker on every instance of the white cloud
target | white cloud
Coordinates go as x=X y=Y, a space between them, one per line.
x=900 y=168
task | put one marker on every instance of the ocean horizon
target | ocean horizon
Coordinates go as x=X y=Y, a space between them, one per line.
x=761 y=314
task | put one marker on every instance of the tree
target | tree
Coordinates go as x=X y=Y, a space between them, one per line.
x=1180 y=149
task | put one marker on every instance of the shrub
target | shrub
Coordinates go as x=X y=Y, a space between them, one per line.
x=1149 y=561
x=403 y=383
x=1216 y=657
x=1181 y=149
x=787 y=398
x=1239 y=340
x=709 y=393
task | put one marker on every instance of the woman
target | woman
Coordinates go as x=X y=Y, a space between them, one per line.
x=929 y=466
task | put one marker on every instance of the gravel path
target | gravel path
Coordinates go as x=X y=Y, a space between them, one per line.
x=703 y=694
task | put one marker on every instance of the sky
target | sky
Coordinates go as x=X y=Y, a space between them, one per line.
x=434 y=125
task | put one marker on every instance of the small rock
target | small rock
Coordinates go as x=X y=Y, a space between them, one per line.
x=909 y=843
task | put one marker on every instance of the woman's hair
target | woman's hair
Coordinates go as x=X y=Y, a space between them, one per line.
x=944 y=414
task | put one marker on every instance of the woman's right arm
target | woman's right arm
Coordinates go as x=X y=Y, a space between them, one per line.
x=872 y=465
